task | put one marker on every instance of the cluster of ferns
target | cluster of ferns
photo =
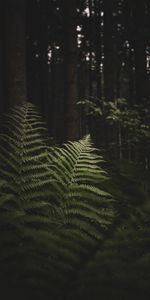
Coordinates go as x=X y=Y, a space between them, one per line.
x=59 y=237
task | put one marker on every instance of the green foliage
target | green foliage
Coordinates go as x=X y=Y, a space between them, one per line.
x=60 y=235
x=91 y=108
x=128 y=127
x=23 y=202
x=52 y=212
x=82 y=204
x=121 y=269
x=23 y=159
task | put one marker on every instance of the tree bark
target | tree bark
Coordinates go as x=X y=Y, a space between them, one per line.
x=139 y=44
x=108 y=51
x=98 y=48
x=15 y=43
x=70 y=70
x=1 y=58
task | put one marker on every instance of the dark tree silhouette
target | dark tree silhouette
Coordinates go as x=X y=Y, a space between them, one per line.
x=70 y=69
x=15 y=47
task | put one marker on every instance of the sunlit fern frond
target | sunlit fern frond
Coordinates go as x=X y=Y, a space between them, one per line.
x=77 y=173
x=24 y=182
x=23 y=154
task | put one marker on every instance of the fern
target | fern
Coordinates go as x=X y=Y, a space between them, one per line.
x=24 y=179
x=22 y=148
x=82 y=204
x=53 y=213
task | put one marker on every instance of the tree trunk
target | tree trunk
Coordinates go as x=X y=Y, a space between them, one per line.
x=70 y=68
x=1 y=58
x=43 y=57
x=139 y=44
x=33 y=86
x=98 y=48
x=108 y=51
x=15 y=43
x=131 y=66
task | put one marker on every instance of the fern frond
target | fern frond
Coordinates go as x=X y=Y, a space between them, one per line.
x=78 y=181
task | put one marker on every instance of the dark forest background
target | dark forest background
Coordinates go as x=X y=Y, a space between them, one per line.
x=56 y=54
x=85 y=65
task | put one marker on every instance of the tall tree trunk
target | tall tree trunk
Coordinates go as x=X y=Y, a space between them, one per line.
x=43 y=55
x=1 y=58
x=139 y=44
x=70 y=68
x=108 y=51
x=109 y=72
x=15 y=43
x=90 y=5
x=131 y=66
x=98 y=47
x=32 y=55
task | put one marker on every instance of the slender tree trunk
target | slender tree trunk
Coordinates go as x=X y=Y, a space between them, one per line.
x=109 y=64
x=43 y=54
x=98 y=48
x=15 y=43
x=32 y=56
x=139 y=44
x=131 y=78
x=108 y=51
x=90 y=5
x=70 y=68
x=120 y=142
x=1 y=57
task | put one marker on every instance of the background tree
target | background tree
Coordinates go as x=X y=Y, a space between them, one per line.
x=93 y=50
x=138 y=38
x=109 y=51
x=15 y=51
x=70 y=69
x=1 y=58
